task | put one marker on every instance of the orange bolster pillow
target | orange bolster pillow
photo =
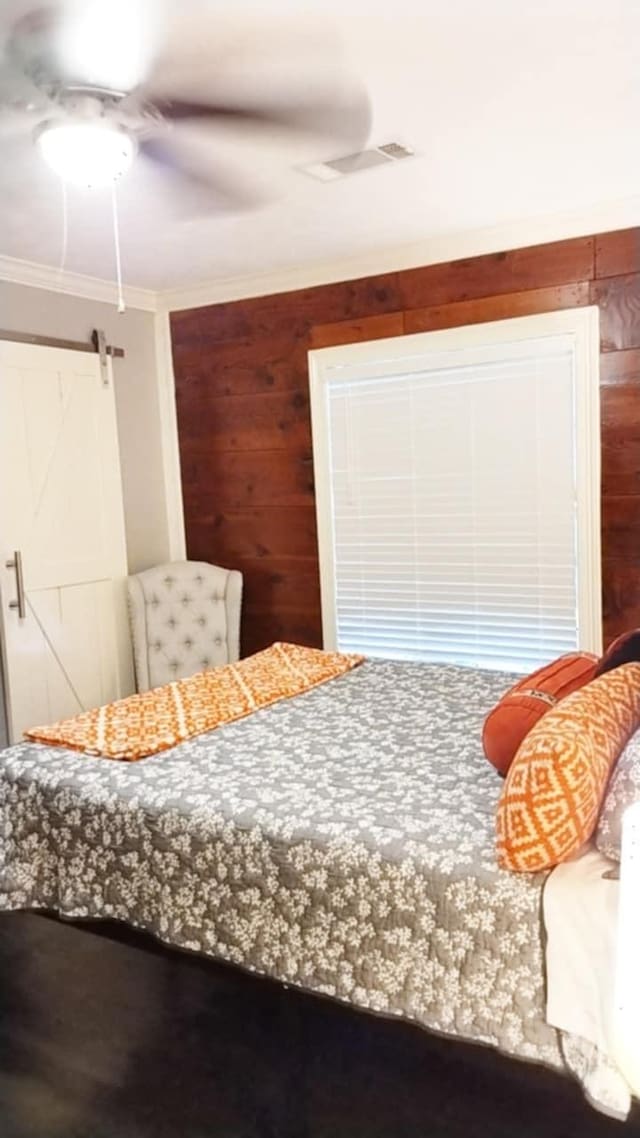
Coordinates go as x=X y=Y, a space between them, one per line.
x=511 y=720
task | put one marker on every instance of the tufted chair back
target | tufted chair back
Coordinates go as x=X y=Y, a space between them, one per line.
x=185 y=616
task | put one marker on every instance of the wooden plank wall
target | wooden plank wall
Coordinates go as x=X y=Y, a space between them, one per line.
x=243 y=410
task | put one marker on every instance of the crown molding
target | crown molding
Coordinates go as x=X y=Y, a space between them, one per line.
x=620 y=214
x=73 y=284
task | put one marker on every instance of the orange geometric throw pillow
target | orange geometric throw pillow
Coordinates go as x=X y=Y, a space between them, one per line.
x=526 y=702
x=554 y=789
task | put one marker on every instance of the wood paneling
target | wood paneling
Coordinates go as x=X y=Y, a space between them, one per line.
x=275 y=580
x=620 y=367
x=239 y=367
x=618 y=253
x=355 y=331
x=621 y=596
x=537 y=266
x=261 y=532
x=501 y=307
x=275 y=421
x=262 y=626
x=620 y=411
x=620 y=425
x=619 y=302
x=620 y=468
x=290 y=313
x=247 y=478
x=621 y=516
x=244 y=425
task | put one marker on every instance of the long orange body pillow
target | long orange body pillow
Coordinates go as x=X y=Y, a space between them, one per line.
x=526 y=702
x=554 y=789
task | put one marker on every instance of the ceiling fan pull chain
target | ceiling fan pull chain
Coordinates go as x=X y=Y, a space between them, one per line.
x=116 y=236
x=65 y=230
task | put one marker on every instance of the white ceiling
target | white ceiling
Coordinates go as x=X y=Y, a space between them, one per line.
x=516 y=111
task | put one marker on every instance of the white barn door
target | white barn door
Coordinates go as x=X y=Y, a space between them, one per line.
x=65 y=636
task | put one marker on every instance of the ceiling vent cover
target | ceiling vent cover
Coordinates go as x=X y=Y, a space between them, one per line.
x=356 y=163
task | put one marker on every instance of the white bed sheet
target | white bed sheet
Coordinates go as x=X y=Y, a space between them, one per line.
x=580 y=915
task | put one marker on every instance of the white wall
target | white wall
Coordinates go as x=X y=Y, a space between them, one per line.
x=147 y=510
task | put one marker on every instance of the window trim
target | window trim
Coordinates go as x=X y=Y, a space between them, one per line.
x=583 y=326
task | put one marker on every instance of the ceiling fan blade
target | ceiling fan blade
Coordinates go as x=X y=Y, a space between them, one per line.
x=110 y=43
x=208 y=190
x=16 y=124
x=19 y=96
x=254 y=67
x=343 y=119
x=103 y=43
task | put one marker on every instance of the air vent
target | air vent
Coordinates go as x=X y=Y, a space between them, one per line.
x=356 y=163
x=396 y=150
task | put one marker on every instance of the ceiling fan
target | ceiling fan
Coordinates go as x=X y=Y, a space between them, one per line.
x=99 y=85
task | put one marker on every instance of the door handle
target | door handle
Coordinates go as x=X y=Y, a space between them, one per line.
x=20 y=604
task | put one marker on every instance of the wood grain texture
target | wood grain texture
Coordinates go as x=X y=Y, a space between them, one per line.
x=620 y=367
x=276 y=580
x=241 y=367
x=291 y=313
x=621 y=471
x=618 y=253
x=243 y=408
x=355 y=331
x=619 y=301
x=260 y=532
x=264 y=625
x=249 y=422
x=214 y=480
x=620 y=429
x=620 y=518
x=537 y=266
x=620 y=440
x=620 y=410
x=501 y=307
x=621 y=598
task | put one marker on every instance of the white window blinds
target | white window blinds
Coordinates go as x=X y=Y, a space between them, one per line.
x=452 y=505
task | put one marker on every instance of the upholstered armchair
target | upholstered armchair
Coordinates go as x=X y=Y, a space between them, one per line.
x=185 y=616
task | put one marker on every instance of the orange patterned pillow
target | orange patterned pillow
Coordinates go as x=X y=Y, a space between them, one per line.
x=554 y=789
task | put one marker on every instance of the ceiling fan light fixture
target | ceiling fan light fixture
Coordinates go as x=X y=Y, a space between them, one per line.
x=89 y=154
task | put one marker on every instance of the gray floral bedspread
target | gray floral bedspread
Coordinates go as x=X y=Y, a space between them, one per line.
x=342 y=841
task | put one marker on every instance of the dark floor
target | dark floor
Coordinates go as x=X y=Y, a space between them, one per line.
x=100 y=1039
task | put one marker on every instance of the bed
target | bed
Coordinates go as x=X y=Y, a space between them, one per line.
x=341 y=841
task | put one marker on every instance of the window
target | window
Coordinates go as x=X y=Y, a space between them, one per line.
x=457 y=483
